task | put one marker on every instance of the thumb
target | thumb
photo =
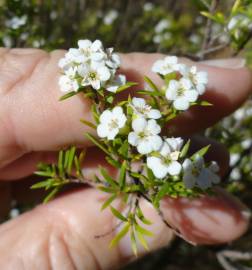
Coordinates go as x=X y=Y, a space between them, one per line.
x=61 y=234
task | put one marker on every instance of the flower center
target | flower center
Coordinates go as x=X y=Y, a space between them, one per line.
x=144 y=109
x=86 y=52
x=181 y=91
x=92 y=75
x=113 y=124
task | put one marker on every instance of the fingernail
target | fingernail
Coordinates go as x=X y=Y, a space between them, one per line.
x=232 y=63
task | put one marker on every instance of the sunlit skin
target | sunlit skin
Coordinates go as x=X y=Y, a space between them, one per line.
x=34 y=125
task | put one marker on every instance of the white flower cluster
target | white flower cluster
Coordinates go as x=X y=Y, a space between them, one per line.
x=90 y=65
x=162 y=154
x=181 y=93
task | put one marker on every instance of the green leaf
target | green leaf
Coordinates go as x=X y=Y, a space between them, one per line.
x=108 y=201
x=87 y=123
x=125 y=86
x=108 y=178
x=117 y=214
x=123 y=150
x=235 y=7
x=110 y=99
x=149 y=93
x=131 y=188
x=204 y=103
x=95 y=113
x=151 y=84
x=42 y=184
x=107 y=189
x=141 y=216
x=150 y=174
x=143 y=230
x=120 y=235
x=142 y=240
x=97 y=143
x=113 y=162
x=52 y=194
x=122 y=176
x=201 y=152
x=78 y=167
x=161 y=193
x=70 y=159
x=169 y=77
x=218 y=17
x=61 y=163
x=185 y=149
x=133 y=242
x=68 y=95
x=44 y=173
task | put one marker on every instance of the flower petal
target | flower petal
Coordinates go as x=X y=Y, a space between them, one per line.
x=191 y=95
x=139 y=124
x=106 y=116
x=157 y=167
x=144 y=147
x=156 y=142
x=189 y=180
x=174 y=168
x=138 y=102
x=153 y=127
x=181 y=104
x=133 y=139
x=102 y=130
x=154 y=114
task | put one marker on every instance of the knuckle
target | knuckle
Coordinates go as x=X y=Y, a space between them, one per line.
x=16 y=65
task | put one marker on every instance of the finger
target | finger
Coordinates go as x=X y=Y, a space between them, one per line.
x=63 y=232
x=27 y=164
x=44 y=124
x=230 y=84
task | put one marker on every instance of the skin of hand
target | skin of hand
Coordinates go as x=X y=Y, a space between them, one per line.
x=34 y=125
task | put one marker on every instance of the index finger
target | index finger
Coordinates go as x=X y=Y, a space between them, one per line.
x=32 y=118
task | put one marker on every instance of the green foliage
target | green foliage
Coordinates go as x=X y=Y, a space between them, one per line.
x=58 y=175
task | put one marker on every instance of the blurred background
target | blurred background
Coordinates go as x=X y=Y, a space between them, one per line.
x=198 y=29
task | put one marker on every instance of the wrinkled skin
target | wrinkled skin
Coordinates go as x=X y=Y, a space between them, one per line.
x=34 y=125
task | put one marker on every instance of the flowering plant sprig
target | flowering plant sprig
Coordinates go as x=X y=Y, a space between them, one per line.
x=150 y=165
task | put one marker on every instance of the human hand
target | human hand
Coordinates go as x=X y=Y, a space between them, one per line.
x=34 y=124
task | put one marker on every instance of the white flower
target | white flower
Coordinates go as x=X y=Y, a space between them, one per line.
x=198 y=78
x=110 y=17
x=94 y=66
x=239 y=21
x=167 y=65
x=113 y=60
x=167 y=162
x=181 y=93
x=158 y=38
x=91 y=50
x=96 y=76
x=144 y=136
x=111 y=122
x=141 y=109
x=196 y=173
x=118 y=81
x=162 y=25
x=16 y=22
x=148 y=6
x=67 y=84
x=235 y=174
x=234 y=157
